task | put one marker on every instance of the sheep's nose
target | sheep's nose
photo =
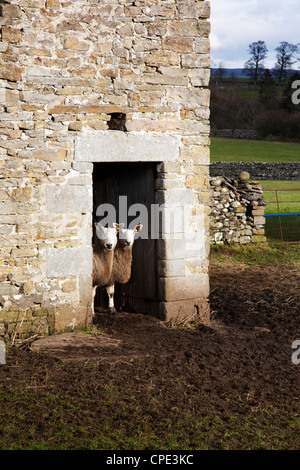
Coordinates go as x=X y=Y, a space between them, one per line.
x=109 y=246
x=127 y=243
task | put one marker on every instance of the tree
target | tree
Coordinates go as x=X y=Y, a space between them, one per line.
x=254 y=67
x=268 y=92
x=286 y=53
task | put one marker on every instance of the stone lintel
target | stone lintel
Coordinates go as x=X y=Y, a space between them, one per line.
x=118 y=146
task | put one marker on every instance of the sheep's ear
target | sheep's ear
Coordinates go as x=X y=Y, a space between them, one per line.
x=138 y=228
x=118 y=227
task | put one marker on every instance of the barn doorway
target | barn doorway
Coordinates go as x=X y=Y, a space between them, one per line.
x=135 y=181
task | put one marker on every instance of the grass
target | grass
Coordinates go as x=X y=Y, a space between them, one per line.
x=234 y=150
x=287 y=197
x=57 y=430
x=263 y=255
x=289 y=202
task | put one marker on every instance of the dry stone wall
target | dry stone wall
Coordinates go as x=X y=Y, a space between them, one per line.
x=65 y=67
x=237 y=210
x=282 y=171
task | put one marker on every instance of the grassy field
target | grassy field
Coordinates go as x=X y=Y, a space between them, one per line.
x=289 y=203
x=263 y=255
x=233 y=150
x=289 y=200
x=230 y=150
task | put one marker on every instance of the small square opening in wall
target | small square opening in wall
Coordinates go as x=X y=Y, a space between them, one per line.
x=117 y=122
x=124 y=189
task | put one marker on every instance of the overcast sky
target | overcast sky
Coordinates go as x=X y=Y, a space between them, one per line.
x=237 y=23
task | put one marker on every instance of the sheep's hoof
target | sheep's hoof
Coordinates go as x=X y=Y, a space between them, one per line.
x=112 y=310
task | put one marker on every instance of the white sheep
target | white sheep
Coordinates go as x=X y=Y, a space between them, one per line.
x=122 y=261
x=103 y=254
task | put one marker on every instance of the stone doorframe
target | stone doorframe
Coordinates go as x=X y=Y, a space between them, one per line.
x=181 y=291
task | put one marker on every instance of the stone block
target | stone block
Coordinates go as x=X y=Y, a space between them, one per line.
x=118 y=146
x=68 y=262
x=8 y=11
x=8 y=289
x=69 y=198
x=7 y=207
x=10 y=34
x=171 y=267
x=194 y=9
x=170 y=249
x=73 y=43
x=48 y=155
x=9 y=97
x=189 y=28
x=85 y=289
x=259 y=220
x=199 y=77
x=196 y=61
x=202 y=45
x=11 y=72
x=156 y=59
x=189 y=98
x=184 y=287
x=175 y=197
x=185 y=311
x=75 y=126
x=69 y=318
x=69 y=285
x=83 y=167
x=258 y=212
x=106 y=146
x=178 y=44
x=145 y=147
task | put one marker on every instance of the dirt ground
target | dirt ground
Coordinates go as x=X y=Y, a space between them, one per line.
x=233 y=378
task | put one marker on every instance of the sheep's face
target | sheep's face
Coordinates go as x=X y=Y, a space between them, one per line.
x=107 y=235
x=126 y=236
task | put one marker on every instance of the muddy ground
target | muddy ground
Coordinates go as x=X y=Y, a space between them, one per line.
x=230 y=384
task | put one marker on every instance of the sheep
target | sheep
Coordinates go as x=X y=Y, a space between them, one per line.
x=103 y=254
x=122 y=262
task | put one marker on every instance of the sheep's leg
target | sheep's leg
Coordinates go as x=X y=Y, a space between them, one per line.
x=110 y=292
x=93 y=302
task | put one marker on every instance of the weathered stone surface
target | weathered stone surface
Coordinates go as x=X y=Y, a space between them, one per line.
x=69 y=346
x=117 y=146
x=69 y=198
x=184 y=287
x=64 y=262
x=184 y=311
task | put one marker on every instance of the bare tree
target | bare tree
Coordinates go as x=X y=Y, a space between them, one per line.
x=254 y=67
x=286 y=53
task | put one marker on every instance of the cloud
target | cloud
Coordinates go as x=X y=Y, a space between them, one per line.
x=237 y=24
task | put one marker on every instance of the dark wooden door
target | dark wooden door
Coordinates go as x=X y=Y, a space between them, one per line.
x=135 y=181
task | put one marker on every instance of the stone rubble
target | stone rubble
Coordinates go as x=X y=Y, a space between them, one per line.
x=237 y=210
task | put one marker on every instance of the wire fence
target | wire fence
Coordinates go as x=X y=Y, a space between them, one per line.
x=283 y=215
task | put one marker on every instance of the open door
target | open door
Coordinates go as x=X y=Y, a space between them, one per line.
x=137 y=182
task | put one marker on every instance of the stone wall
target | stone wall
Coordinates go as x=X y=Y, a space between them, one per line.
x=259 y=170
x=237 y=210
x=65 y=67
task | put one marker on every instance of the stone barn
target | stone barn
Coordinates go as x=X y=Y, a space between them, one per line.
x=102 y=102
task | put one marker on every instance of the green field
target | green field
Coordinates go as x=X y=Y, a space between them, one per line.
x=289 y=200
x=286 y=226
x=234 y=150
